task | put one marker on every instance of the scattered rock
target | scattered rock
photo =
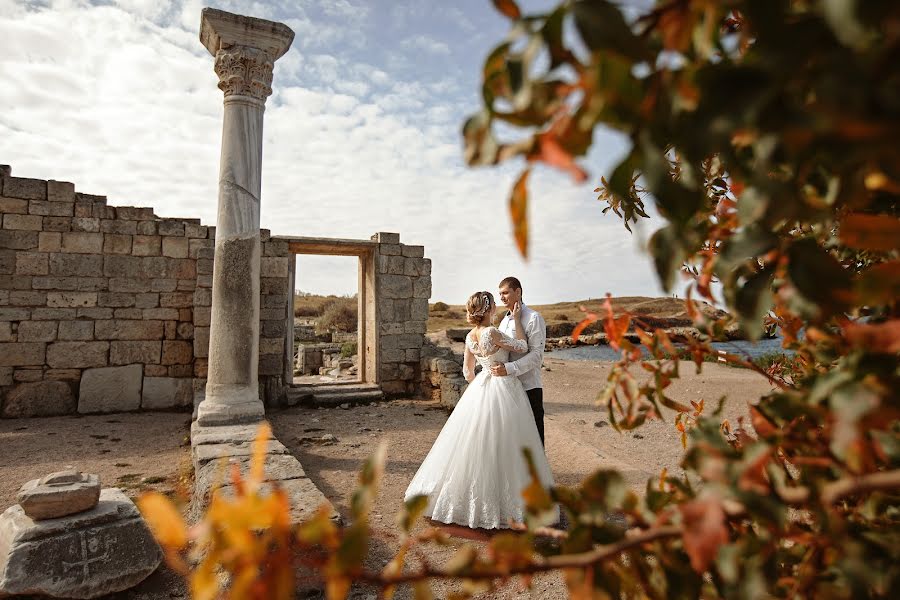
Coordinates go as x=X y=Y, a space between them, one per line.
x=578 y=422
x=638 y=436
x=328 y=438
x=345 y=406
x=59 y=494
x=601 y=423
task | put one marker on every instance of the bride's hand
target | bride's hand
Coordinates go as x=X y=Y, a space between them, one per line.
x=517 y=310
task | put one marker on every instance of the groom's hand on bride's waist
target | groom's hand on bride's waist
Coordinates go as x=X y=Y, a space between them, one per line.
x=499 y=370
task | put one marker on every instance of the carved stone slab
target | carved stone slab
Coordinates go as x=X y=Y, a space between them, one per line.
x=59 y=494
x=86 y=555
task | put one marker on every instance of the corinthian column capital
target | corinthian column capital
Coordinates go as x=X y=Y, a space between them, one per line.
x=244 y=71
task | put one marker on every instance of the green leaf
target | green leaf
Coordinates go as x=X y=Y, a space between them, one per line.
x=818 y=276
x=668 y=256
x=754 y=301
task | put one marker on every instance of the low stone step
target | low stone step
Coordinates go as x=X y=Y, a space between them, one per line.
x=334 y=395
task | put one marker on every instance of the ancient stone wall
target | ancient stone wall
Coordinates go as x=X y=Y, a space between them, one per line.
x=107 y=308
x=403 y=289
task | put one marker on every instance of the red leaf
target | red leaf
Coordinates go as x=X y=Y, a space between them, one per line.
x=761 y=424
x=508 y=8
x=871 y=232
x=590 y=318
x=518 y=205
x=881 y=338
x=550 y=151
x=704 y=530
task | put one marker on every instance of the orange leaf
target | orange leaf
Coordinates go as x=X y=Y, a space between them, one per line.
x=883 y=338
x=871 y=232
x=550 y=151
x=676 y=27
x=258 y=463
x=518 y=204
x=761 y=424
x=704 y=530
x=508 y=8
x=576 y=333
x=164 y=520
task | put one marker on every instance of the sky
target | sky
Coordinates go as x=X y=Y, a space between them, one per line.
x=361 y=134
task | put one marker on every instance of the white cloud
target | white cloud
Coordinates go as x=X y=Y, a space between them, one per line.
x=421 y=42
x=124 y=103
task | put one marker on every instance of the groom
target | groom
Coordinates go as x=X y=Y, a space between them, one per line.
x=527 y=367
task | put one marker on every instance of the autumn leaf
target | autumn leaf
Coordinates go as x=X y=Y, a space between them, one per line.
x=882 y=338
x=704 y=530
x=871 y=232
x=508 y=8
x=588 y=319
x=164 y=520
x=518 y=212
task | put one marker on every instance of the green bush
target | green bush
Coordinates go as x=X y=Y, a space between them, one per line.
x=348 y=349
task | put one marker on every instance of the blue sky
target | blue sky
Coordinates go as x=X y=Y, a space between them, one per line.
x=361 y=135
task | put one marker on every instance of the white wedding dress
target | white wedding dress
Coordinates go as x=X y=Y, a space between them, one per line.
x=475 y=472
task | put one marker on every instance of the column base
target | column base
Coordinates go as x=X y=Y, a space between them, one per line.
x=230 y=405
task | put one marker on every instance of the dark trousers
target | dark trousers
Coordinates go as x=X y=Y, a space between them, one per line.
x=536 y=399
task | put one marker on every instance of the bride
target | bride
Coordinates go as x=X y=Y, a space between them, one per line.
x=475 y=471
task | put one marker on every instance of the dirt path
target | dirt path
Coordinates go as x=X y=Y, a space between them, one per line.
x=576 y=445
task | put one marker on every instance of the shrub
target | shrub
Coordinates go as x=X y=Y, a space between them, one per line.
x=439 y=307
x=338 y=316
x=348 y=349
x=561 y=317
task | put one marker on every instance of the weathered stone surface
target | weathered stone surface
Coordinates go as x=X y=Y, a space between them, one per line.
x=82 y=243
x=452 y=389
x=77 y=355
x=128 y=353
x=23 y=222
x=177 y=353
x=175 y=247
x=128 y=330
x=37 y=331
x=166 y=392
x=28 y=374
x=18 y=240
x=208 y=452
x=71 y=299
x=114 y=243
x=21 y=187
x=39 y=399
x=59 y=494
x=76 y=265
x=14 y=205
x=49 y=241
x=60 y=191
x=90 y=554
x=90 y=225
x=146 y=245
x=395 y=286
x=23 y=354
x=110 y=389
x=31 y=263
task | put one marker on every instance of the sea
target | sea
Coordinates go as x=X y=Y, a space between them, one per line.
x=743 y=348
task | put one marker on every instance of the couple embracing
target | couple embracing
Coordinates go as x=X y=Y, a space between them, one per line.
x=475 y=472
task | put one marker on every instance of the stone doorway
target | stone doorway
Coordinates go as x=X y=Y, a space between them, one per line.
x=366 y=384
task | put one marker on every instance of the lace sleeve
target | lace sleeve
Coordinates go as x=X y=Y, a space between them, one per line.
x=492 y=339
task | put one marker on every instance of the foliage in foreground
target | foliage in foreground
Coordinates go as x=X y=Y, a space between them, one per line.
x=765 y=133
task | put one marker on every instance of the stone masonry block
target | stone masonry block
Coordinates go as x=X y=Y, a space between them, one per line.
x=51 y=209
x=26 y=298
x=18 y=240
x=177 y=353
x=395 y=286
x=127 y=353
x=49 y=241
x=37 y=331
x=146 y=245
x=71 y=299
x=418 y=309
x=60 y=191
x=123 y=266
x=86 y=224
x=115 y=299
x=201 y=342
x=389 y=249
x=202 y=316
x=413 y=251
x=13 y=205
x=163 y=285
x=166 y=392
x=76 y=330
x=133 y=213
x=76 y=265
x=93 y=312
x=22 y=354
x=128 y=313
x=82 y=243
x=29 y=189
x=422 y=287
x=77 y=355
x=114 y=243
x=155 y=370
x=128 y=330
x=57 y=224
x=129 y=284
x=162 y=314
x=31 y=263
x=112 y=225
x=147 y=228
x=23 y=222
x=176 y=299
x=274 y=266
x=171 y=227
x=148 y=300
x=110 y=389
x=53 y=314
x=39 y=399
x=383 y=237
x=175 y=247
x=271 y=346
x=193 y=230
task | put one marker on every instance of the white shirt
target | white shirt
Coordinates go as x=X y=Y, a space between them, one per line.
x=527 y=367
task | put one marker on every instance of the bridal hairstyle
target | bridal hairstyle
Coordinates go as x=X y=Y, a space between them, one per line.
x=478 y=305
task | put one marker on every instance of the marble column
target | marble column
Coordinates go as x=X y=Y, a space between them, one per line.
x=245 y=49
